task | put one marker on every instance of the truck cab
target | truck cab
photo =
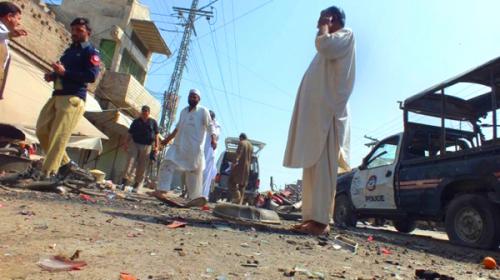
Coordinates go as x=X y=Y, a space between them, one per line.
x=444 y=166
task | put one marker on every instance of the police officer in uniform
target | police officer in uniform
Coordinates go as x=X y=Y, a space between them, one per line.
x=78 y=66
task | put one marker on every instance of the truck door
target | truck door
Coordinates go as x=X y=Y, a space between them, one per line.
x=373 y=184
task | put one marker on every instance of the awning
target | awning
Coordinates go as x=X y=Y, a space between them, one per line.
x=110 y=121
x=91 y=105
x=25 y=94
x=151 y=36
x=78 y=142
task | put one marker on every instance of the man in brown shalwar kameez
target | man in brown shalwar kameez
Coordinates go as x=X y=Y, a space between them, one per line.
x=240 y=171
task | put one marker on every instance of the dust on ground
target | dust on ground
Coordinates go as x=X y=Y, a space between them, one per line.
x=131 y=236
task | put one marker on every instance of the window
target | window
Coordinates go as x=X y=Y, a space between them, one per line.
x=107 y=48
x=138 y=43
x=384 y=154
x=129 y=66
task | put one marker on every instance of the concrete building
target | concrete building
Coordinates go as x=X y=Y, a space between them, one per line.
x=127 y=39
x=26 y=91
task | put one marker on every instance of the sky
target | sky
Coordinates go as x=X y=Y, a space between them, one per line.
x=249 y=59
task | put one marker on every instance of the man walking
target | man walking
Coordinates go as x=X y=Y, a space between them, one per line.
x=10 y=20
x=318 y=139
x=240 y=170
x=144 y=138
x=78 y=66
x=210 y=170
x=187 y=152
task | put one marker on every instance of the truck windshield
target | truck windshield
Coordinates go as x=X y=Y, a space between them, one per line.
x=384 y=154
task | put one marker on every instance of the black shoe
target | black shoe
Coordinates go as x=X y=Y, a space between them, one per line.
x=66 y=169
x=71 y=170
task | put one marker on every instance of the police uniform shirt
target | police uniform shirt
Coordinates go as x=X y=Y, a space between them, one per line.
x=81 y=62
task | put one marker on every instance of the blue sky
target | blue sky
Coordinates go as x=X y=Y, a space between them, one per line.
x=250 y=78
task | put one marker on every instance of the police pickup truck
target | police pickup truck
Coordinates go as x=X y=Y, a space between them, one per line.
x=444 y=167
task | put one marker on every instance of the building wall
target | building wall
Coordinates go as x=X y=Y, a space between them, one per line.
x=47 y=38
x=104 y=15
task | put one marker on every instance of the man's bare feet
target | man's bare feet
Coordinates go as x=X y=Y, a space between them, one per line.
x=314 y=228
x=301 y=225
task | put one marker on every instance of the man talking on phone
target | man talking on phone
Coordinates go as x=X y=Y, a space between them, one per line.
x=318 y=139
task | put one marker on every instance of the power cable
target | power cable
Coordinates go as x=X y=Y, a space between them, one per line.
x=236 y=57
x=239 y=17
x=222 y=79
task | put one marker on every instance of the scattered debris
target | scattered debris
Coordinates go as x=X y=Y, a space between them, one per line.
x=345 y=242
x=323 y=241
x=177 y=224
x=223 y=227
x=76 y=255
x=133 y=234
x=249 y=265
x=384 y=251
x=423 y=274
x=489 y=263
x=127 y=276
x=246 y=214
x=27 y=213
x=62 y=263
x=87 y=198
x=337 y=247
x=302 y=271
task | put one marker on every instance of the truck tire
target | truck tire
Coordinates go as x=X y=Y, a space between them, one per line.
x=471 y=220
x=405 y=226
x=344 y=211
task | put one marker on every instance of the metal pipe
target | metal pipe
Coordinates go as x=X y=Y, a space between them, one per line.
x=494 y=103
x=443 y=123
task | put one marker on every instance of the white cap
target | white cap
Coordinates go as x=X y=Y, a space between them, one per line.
x=195 y=91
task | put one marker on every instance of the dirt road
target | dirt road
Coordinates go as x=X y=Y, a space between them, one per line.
x=120 y=236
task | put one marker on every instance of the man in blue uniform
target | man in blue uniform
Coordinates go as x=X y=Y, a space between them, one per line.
x=78 y=66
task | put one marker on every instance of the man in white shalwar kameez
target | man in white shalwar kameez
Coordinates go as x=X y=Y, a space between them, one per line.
x=319 y=137
x=210 y=170
x=186 y=154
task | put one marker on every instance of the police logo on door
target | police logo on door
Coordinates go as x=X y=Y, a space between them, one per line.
x=372 y=183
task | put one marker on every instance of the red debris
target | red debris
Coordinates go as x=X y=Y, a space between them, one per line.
x=58 y=263
x=87 y=198
x=385 y=251
x=127 y=276
x=177 y=224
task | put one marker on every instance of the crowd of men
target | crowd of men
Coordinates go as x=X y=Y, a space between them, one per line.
x=318 y=138
x=190 y=154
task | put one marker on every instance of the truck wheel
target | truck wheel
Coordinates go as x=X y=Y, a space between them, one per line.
x=405 y=226
x=344 y=211
x=471 y=221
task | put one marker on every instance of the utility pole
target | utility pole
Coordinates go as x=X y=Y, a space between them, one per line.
x=171 y=96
